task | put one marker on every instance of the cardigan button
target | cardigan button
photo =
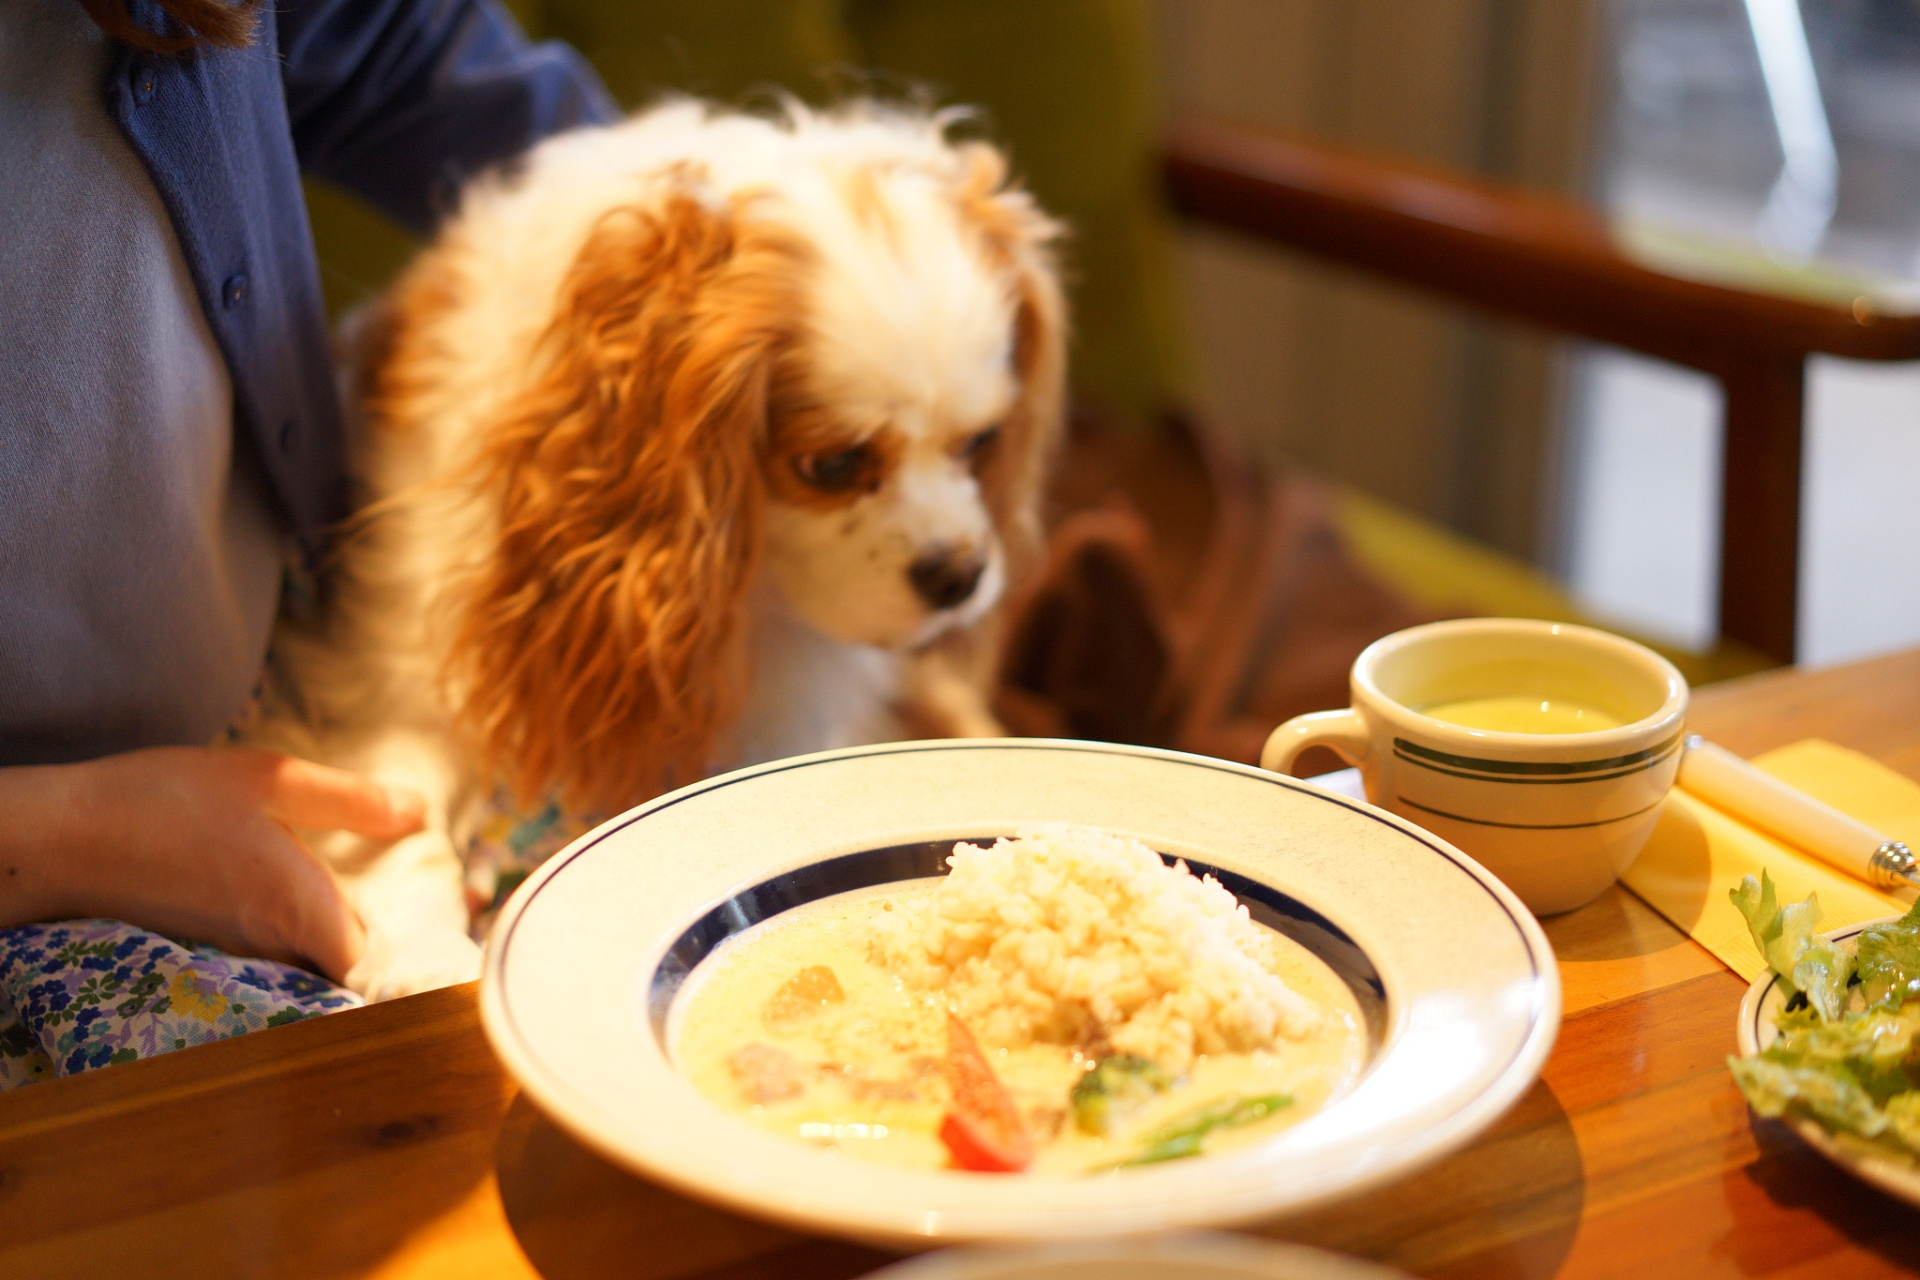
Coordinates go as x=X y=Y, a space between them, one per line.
x=142 y=84
x=289 y=436
x=234 y=291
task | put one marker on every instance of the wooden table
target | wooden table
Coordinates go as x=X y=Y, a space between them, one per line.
x=387 y=1141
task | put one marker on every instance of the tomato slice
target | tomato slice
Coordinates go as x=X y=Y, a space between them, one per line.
x=983 y=1130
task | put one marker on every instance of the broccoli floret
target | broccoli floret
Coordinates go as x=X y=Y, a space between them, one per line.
x=1116 y=1087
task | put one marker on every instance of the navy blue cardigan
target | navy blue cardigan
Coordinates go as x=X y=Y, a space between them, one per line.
x=395 y=100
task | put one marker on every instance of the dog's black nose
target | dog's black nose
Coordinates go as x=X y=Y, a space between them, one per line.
x=944 y=578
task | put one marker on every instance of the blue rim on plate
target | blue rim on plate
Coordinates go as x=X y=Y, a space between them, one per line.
x=583 y=962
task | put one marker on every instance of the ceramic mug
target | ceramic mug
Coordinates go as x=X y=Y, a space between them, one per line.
x=1556 y=815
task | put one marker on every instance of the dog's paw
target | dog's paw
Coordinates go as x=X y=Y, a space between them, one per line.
x=404 y=966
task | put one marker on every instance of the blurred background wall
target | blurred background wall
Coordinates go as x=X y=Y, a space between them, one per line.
x=1675 y=118
x=1441 y=412
x=1691 y=165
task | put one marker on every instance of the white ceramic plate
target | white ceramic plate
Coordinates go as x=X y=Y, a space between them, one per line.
x=1757 y=1030
x=584 y=960
x=1205 y=1255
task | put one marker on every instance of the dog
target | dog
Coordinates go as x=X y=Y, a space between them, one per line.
x=694 y=441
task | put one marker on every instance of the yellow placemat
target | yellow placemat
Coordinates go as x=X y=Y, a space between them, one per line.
x=1698 y=853
x=1858 y=785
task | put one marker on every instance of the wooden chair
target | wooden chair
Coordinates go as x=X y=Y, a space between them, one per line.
x=1554 y=263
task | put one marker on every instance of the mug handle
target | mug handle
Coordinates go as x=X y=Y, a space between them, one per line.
x=1344 y=731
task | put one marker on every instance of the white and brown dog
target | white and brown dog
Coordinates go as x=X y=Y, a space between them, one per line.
x=694 y=441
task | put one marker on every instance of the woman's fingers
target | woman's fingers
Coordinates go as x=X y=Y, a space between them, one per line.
x=324 y=931
x=192 y=842
x=301 y=793
x=307 y=914
x=285 y=904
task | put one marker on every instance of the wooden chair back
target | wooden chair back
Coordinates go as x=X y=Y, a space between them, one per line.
x=1554 y=263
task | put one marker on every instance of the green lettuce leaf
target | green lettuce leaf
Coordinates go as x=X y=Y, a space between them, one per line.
x=1889 y=959
x=1903 y=1119
x=1830 y=1096
x=1822 y=973
x=1854 y=1072
x=1873 y=1047
x=1785 y=937
x=1853 y=1075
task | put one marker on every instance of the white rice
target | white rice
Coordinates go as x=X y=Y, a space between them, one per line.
x=1076 y=936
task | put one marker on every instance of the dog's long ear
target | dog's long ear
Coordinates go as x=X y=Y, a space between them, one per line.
x=1018 y=241
x=600 y=649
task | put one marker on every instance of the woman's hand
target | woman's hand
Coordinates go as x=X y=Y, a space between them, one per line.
x=193 y=842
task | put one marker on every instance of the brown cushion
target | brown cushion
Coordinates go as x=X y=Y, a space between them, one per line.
x=1192 y=597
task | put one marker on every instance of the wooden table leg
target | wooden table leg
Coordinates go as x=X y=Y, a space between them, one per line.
x=1760 y=504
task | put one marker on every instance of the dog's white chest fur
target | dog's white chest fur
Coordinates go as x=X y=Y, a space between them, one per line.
x=808 y=692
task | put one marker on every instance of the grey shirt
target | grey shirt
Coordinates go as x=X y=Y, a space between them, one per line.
x=139 y=554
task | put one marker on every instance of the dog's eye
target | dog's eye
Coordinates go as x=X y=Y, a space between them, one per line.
x=980 y=444
x=835 y=472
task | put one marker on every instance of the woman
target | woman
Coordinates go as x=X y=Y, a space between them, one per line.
x=170 y=439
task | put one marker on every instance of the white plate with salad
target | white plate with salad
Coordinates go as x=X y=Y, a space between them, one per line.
x=1825 y=1036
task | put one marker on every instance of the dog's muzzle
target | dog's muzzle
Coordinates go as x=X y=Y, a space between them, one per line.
x=944 y=577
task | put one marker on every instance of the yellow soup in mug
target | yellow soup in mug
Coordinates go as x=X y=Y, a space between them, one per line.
x=1524 y=713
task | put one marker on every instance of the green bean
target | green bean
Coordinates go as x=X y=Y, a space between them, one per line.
x=1183 y=1136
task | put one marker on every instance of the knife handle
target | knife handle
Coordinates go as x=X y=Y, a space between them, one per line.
x=1727 y=782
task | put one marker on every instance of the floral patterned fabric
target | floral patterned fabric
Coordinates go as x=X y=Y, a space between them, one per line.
x=86 y=994
x=505 y=848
